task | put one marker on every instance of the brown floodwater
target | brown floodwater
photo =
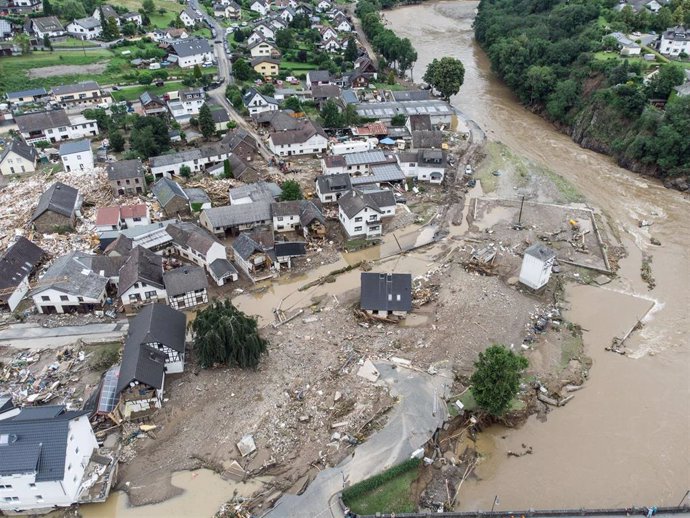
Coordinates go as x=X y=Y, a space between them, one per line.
x=623 y=440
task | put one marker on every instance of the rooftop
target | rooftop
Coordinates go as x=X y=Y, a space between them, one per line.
x=386 y=291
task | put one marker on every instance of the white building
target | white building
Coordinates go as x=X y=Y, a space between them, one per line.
x=141 y=278
x=353 y=146
x=18 y=158
x=47 y=26
x=192 y=51
x=85 y=28
x=259 y=6
x=361 y=212
x=54 y=126
x=256 y=102
x=76 y=156
x=675 y=41
x=186 y=287
x=45 y=452
x=536 y=266
x=192 y=100
x=70 y=285
x=190 y=17
x=307 y=139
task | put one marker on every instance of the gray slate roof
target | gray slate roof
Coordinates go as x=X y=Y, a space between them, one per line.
x=184 y=280
x=259 y=191
x=541 y=252
x=18 y=261
x=88 y=23
x=245 y=246
x=222 y=268
x=375 y=156
x=34 y=92
x=411 y=95
x=48 y=24
x=58 y=198
x=299 y=135
x=330 y=183
x=78 y=146
x=141 y=363
x=141 y=266
x=40 y=121
x=125 y=169
x=105 y=265
x=243 y=214
x=386 y=291
x=427 y=139
x=356 y=200
x=188 y=234
x=290 y=249
x=191 y=47
x=71 y=274
x=23 y=150
x=75 y=88
x=165 y=190
x=38 y=441
x=196 y=195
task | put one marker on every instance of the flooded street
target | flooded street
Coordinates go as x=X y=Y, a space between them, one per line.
x=624 y=439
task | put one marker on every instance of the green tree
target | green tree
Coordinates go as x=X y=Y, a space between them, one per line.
x=185 y=171
x=350 y=53
x=239 y=36
x=292 y=103
x=267 y=89
x=233 y=94
x=110 y=29
x=117 y=141
x=149 y=6
x=661 y=85
x=149 y=136
x=129 y=29
x=330 y=115
x=407 y=55
x=241 y=70
x=227 y=169
x=206 y=124
x=225 y=335
x=290 y=190
x=197 y=72
x=540 y=81
x=47 y=43
x=72 y=9
x=285 y=39
x=101 y=117
x=48 y=8
x=496 y=380
x=390 y=78
x=23 y=41
x=446 y=75
x=398 y=120
x=350 y=116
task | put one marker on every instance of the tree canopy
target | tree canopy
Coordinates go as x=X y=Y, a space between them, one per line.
x=225 y=335
x=206 y=124
x=496 y=380
x=290 y=190
x=446 y=75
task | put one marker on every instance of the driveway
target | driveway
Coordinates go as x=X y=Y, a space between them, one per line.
x=412 y=422
x=34 y=336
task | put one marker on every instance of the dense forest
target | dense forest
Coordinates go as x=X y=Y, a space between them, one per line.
x=556 y=55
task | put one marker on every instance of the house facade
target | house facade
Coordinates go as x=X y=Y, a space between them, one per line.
x=361 y=212
x=54 y=126
x=76 y=156
x=266 y=66
x=46 y=459
x=537 y=262
x=186 y=287
x=57 y=209
x=307 y=139
x=675 y=41
x=18 y=158
x=141 y=278
x=48 y=26
x=17 y=264
x=192 y=52
x=83 y=94
x=192 y=100
x=85 y=28
x=127 y=177
x=256 y=102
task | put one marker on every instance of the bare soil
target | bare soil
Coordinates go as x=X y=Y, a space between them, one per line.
x=67 y=70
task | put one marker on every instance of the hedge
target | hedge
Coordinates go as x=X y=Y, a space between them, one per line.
x=369 y=484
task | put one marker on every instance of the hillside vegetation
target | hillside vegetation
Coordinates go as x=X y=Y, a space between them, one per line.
x=556 y=56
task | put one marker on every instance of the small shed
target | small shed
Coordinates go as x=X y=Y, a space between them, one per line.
x=536 y=266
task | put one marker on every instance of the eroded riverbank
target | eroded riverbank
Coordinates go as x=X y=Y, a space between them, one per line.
x=623 y=440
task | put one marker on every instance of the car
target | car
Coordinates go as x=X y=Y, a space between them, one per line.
x=115 y=88
x=468 y=169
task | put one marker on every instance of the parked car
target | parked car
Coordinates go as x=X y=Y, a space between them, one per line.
x=468 y=169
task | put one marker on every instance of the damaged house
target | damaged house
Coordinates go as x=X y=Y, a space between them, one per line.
x=186 y=287
x=254 y=257
x=141 y=278
x=155 y=344
x=386 y=294
x=70 y=286
x=17 y=265
x=57 y=209
x=293 y=216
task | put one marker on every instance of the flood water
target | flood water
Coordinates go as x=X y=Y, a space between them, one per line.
x=203 y=494
x=623 y=440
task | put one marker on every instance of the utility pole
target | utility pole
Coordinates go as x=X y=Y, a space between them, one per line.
x=496 y=502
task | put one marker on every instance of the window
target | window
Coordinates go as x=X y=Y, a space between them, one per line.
x=78 y=157
x=133 y=296
x=64 y=297
x=39 y=498
x=6 y=486
x=76 y=450
x=358 y=219
x=280 y=218
x=150 y=294
x=69 y=467
x=11 y=499
x=45 y=298
x=32 y=485
x=358 y=229
x=80 y=299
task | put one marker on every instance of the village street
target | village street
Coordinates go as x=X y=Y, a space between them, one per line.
x=35 y=336
x=419 y=412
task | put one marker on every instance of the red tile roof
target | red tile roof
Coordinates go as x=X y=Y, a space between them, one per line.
x=108 y=216
x=133 y=211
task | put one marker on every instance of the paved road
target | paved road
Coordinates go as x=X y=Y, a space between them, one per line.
x=34 y=336
x=225 y=74
x=411 y=423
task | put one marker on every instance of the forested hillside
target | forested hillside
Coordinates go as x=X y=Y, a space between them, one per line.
x=556 y=56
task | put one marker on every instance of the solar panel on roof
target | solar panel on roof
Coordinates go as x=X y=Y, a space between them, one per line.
x=108 y=397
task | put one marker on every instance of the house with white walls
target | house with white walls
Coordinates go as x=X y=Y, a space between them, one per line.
x=17 y=264
x=256 y=102
x=306 y=139
x=77 y=156
x=536 y=266
x=141 y=278
x=361 y=212
x=45 y=451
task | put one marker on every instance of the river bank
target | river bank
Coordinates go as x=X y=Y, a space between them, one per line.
x=627 y=426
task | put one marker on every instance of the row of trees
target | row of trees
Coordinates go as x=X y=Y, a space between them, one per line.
x=398 y=52
x=545 y=51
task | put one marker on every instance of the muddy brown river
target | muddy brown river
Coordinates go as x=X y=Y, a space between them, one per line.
x=624 y=439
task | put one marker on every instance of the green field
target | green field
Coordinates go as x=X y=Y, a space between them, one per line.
x=294 y=67
x=74 y=42
x=388 y=492
x=132 y=94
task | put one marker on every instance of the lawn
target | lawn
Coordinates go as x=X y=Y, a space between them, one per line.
x=396 y=87
x=294 y=67
x=390 y=491
x=132 y=94
x=74 y=42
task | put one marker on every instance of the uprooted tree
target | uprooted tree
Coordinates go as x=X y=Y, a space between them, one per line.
x=496 y=380
x=225 y=335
